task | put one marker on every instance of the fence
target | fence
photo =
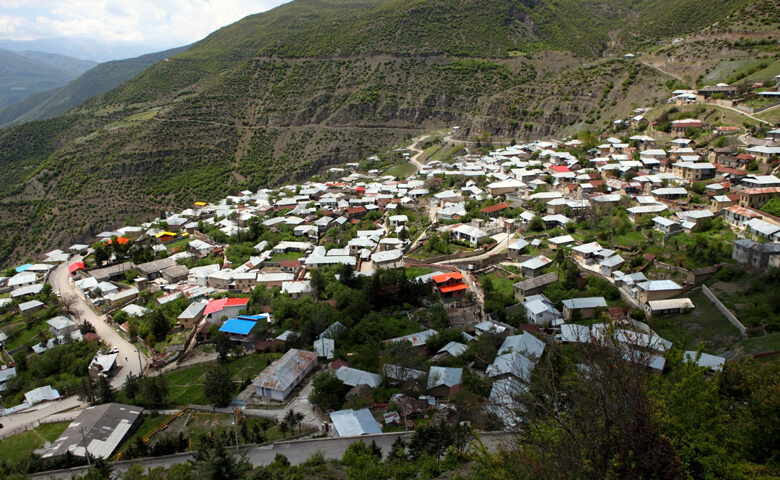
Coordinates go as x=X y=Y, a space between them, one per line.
x=725 y=311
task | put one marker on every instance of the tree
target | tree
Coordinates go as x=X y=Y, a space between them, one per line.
x=153 y=391
x=218 y=386
x=591 y=418
x=328 y=391
x=222 y=345
x=537 y=224
x=104 y=392
x=213 y=461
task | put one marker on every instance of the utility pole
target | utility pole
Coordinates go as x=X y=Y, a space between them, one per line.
x=140 y=365
x=89 y=462
x=235 y=425
x=1 y=405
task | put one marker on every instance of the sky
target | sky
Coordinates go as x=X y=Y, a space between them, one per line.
x=158 y=23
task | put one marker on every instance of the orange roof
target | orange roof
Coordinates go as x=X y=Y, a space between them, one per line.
x=495 y=208
x=454 y=288
x=119 y=240
x=448 y=276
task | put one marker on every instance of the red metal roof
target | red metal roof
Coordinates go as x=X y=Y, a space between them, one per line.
x=74 y=267
x=495 y=208
x=454 y=288
x=560 y=169
x=447 y=276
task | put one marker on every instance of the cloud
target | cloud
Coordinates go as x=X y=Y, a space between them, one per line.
x=163 y=24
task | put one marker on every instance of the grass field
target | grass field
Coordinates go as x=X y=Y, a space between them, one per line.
x=502 y=284
x=23 y=444
x=186 y=384
x=278 y=257
x=401 y=171
x=443 y=154
x=704 y=324
x=767 y=343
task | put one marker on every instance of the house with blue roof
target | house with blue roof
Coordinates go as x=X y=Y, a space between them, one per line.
x=239 y=329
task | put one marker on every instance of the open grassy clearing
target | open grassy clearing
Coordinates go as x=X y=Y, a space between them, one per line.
x=401 y=171
x=23 y=444
x=704 y=324
x=766 y=343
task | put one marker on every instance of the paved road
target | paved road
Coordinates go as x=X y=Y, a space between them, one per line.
x=296 y=451
x=26 y=419
x=129 y=360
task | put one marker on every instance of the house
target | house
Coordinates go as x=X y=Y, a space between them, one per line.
x=280 y=378
x=657 y=290
x=754 y=254
x=224 y=308
x=670 y=306
x=351 y=423
x=534 y=285
x=539 y=310
x=175 y=274
x=718 y=91
x=22 y=279
x=582 y=308
x=6 y=373
x=757 y=197
x=191 y=315
x=533 y=267
x=450 y=286
x=239 y=329
x=154 y=269
x=353 y=377
x=680 y=127
x=398 y=220
x=121 y=297
x=494 y=210
x=31 y=306
x=516 y=357
x=693 y=171
x=297 y=289
x=325 y=347
x=444 y=381
x=388 y=259
x=103 y=428
x=104 y=365
x=468 y=233
x=515 y=248
x=636 y=214
x=740 y=216
x=62 y=326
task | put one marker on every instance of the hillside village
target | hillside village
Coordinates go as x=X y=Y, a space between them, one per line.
x=380 y=301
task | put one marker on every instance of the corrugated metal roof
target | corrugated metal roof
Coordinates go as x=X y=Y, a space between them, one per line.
x=351 y=423
x=284 y=372
x=446 y=376
x=353 y=377
x=587 y=302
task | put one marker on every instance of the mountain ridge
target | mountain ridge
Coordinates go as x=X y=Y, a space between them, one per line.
x=234 y=112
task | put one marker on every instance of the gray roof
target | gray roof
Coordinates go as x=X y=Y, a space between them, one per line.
x=416 y=339
x=403 y=374
x=193 y=310
x=334 y=329
x=536 y=282
x=104 y=427
x=446 y=376
x=353 y=377
x=587 y=302
x=351 y=423
x=284 y=373
x=511 y=363
x=659 y=285
x=525 y=343
x=325 y=347
x=454 y=348
x=706 y=360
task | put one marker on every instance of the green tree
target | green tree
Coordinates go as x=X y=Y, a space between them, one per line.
x=328 y=391
x=213 y=461
x=104 y=392
x=223 y=345
x=218 y=386
x=537 y=224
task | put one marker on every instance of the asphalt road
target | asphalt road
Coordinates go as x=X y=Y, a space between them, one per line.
x=296 y=451
x=128 y=359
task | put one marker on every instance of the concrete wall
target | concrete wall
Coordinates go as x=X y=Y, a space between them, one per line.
x=725 y=311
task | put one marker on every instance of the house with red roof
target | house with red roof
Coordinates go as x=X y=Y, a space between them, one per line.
x=224 y=307
x=494 y=210
x=450 y=286
x=354 y=213
x=75 y=267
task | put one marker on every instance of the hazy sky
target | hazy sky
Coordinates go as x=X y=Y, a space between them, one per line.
x=160 y=23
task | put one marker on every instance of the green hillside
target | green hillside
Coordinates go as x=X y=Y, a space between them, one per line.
x=102 y=78
x=285 y=94
x=21 y=77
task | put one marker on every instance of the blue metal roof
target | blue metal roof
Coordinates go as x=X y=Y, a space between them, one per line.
x=238 y=327
x=22 y=268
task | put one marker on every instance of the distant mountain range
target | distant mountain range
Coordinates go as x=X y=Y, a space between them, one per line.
x=284 y=94
x=26 y=73
x=81 y=48
x=101 y=78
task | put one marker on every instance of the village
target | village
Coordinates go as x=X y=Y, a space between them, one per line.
x=402 y=290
